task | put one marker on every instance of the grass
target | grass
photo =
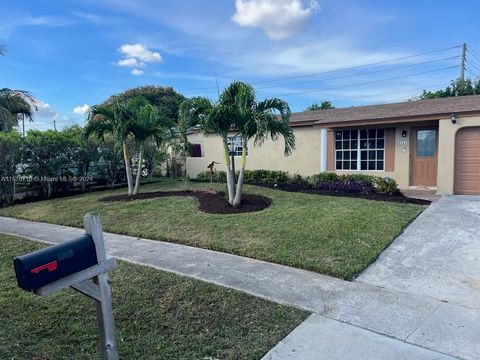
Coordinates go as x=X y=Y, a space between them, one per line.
x=332 y=235
x=158 y=315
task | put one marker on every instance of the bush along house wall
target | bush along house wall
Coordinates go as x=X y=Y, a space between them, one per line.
x=325 y=181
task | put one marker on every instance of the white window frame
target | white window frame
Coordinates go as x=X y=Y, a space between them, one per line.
x=359 y=150
x=238 y=142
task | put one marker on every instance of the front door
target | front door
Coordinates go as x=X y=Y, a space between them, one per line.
x=424 y=146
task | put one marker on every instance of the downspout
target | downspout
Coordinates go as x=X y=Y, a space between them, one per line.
x=323 y=149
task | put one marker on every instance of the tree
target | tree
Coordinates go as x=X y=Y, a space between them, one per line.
x=49 y=157
x=147 y=124
x=108 y=165
x=456 y=88
x=113 y=119
x=15 y=105
x=325 y=105
x=165 y=99
x=85 y=152
x=135 y=118
x=10 y=153
x=238 y=111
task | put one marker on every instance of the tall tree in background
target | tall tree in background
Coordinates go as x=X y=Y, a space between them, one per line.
x=456 y=88
x=325 y=105
x=238 y=111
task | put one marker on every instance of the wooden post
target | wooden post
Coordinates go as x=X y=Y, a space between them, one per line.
x=106 y=328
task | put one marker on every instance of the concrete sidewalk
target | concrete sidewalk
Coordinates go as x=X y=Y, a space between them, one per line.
x=389 y=322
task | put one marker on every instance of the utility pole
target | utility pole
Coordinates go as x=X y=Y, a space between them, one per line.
x=462 y=65
x=54 y=125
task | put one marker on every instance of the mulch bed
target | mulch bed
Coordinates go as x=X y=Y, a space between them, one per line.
x=398 y=197
x=208 y=201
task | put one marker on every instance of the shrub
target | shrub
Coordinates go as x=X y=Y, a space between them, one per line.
x=367 y=180
x=386 y=186
x=218 y=176
x=345 y=187
x=266 y=176
x=323 y=178
x=10 y=153
x=298 y=179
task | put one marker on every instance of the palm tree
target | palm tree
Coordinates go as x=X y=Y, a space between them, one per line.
x=148 y=124
x=15 y=105
x=238 y=111
x=214 y=118
x=134 y=117
x=110 y=119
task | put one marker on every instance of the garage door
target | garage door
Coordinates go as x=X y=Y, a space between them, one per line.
x=467 y=161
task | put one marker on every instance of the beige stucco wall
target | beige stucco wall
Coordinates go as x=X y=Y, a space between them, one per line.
x=304 y=160
x=446 y=151
x=402 y=154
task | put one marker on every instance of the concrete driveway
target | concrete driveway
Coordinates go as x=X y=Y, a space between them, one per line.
x=437 y=256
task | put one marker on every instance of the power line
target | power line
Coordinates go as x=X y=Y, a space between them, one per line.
x=473 y=53
x=476 y=68
x=473 y=64
x=374 y=82
x=364 y=73
x=381 y=94
x=339 y=70
x=468 y=71
x=471 y=73
x=360 y=66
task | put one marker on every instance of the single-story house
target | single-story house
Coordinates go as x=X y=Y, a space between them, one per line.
x=421 y=144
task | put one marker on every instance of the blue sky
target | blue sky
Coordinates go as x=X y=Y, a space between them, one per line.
x=75 y=53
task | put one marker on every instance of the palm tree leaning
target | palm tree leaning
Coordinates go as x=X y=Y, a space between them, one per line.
x=238 y=112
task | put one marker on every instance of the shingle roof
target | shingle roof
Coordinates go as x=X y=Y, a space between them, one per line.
x=410 y=109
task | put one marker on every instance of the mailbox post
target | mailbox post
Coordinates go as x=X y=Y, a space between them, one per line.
x=82 y=264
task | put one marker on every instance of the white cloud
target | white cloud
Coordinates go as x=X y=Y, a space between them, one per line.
x=44 y=110
x=137 y=72
x=130 y=62
x=82 y=109
x=279 y=18
x=140 y=52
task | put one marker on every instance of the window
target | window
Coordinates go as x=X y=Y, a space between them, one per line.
x=426 y=140
x=237 y=143
x=196 y=150
x=362 y=149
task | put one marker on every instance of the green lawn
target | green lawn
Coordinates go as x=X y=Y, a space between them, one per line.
x=332 y=235
x=158 y=315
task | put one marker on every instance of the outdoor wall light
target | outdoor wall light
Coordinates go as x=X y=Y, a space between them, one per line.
x=453 y=117
x=404 y=133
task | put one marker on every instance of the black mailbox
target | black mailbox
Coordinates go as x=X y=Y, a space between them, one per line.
x=45 y=266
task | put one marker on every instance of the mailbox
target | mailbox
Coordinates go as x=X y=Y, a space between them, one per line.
x=45 y=266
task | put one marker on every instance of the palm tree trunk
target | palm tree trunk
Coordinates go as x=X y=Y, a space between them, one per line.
x=230 y=184
x=139 y=171
x=238 y=194
x=128 y=168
